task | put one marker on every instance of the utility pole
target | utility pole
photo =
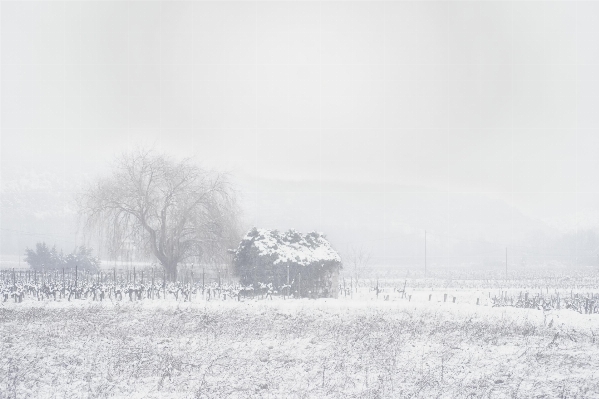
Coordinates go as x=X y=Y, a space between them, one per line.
x=505 y=263
x=424 y=253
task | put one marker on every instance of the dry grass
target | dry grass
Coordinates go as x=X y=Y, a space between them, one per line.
x=265 y=350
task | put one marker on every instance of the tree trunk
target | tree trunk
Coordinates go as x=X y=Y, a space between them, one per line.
x=171 y=271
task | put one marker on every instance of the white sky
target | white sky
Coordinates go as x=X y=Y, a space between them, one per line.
x=492 y=97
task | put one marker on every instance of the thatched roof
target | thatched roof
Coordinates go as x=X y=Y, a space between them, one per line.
x=290 y=246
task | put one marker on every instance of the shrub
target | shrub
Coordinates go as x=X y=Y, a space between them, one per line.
x=45 y=258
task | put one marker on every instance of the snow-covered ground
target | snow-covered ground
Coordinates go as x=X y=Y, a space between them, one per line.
x=360 y=347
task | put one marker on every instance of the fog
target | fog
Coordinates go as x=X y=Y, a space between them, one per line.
x=372 y=122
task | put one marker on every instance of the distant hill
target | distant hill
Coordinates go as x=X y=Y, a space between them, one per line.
x=390 y=221
x=387 y=220
x=36 y=207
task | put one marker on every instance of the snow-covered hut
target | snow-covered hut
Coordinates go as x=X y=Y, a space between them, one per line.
x=298 y=264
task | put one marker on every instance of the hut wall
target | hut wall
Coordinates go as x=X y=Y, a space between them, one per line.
x=335 y=284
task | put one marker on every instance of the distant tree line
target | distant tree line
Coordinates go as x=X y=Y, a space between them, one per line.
x=45 y=258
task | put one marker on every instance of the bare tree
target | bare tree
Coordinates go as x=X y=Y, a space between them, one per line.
x=358 y=261
x=172 y=209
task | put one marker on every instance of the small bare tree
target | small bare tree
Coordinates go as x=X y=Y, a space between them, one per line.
x=172 y=209
x=357 y=261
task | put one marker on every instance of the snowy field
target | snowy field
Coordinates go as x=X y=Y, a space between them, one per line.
x=347 y=348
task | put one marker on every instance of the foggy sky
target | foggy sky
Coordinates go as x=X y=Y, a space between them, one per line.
x=494 y=98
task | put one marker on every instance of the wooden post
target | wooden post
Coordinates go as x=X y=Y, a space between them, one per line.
x=586 y=306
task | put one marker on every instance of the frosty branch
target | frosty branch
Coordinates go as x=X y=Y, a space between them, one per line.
x=172 y=209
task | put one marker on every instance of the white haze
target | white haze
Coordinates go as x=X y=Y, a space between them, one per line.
x=369 y=121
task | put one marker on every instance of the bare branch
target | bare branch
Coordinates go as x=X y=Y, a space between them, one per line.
x=172 y=209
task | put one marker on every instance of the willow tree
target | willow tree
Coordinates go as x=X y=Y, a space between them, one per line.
x=172 y=209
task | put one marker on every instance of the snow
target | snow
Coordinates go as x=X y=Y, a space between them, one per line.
x=292 y=246
x=328 y=348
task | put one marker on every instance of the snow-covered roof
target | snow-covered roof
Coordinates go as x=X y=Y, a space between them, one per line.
x=290 y=246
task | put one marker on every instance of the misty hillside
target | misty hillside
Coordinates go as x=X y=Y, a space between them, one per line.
x=36 y=207
x=386 y=220
x=389 y=221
